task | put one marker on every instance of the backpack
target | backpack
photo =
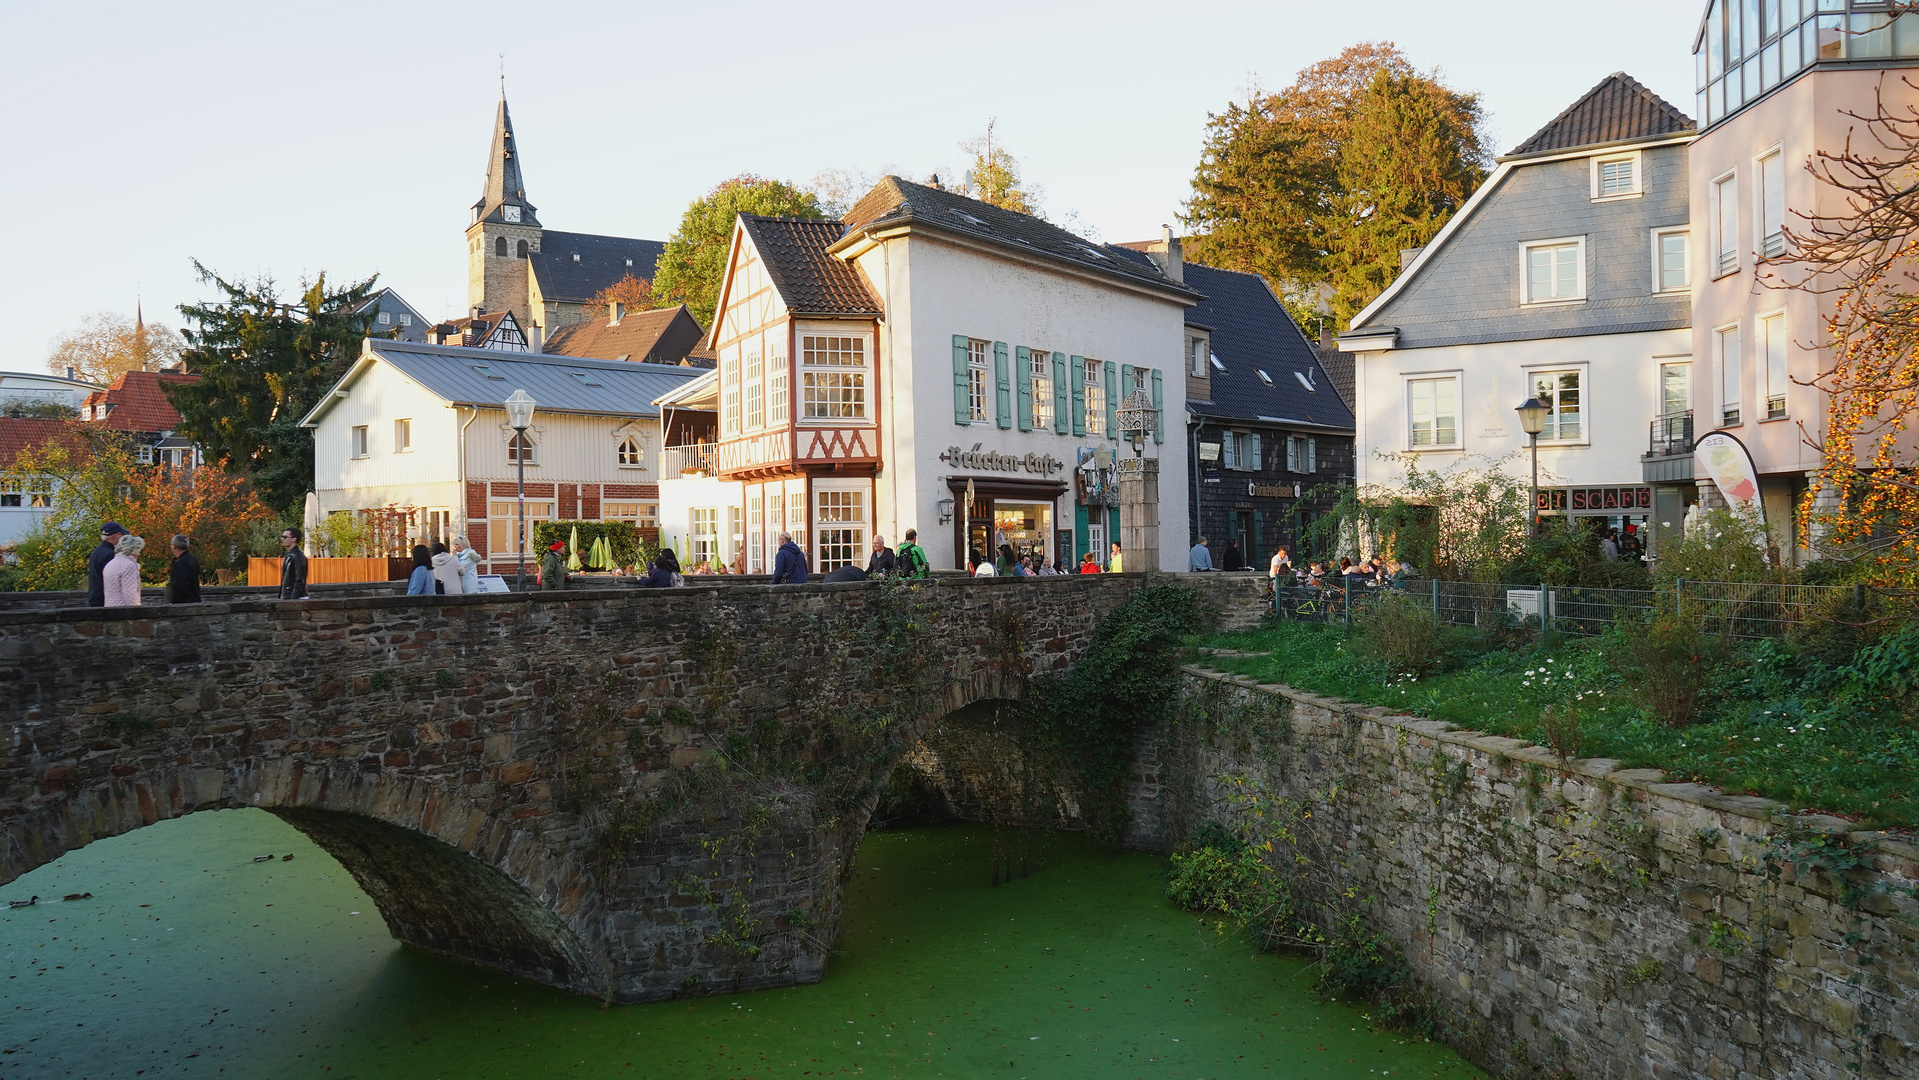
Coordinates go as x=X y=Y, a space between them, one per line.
x=913 y=561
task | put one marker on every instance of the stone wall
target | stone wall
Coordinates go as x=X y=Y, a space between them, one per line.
x=625 y=793
x=1584 y=921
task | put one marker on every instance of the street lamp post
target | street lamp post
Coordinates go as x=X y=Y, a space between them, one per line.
x=1532 y=420
x=519 y=416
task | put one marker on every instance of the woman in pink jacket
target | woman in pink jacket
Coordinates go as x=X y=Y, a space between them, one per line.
x=121 y=576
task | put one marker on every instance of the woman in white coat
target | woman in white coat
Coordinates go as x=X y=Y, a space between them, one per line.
x=469 y=561
x=446 y=570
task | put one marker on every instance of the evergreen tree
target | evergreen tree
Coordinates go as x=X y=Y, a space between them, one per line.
x=694 y=262
x=263 y=365
x=1317 y=187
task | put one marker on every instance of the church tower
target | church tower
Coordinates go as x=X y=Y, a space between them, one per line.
x=504 y=232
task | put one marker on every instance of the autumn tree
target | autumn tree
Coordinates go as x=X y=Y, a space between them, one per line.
x=107 y=345
x=1857 y=248
x=694 y=261
x=263 y=364
x=1318 y=187
x=994 y=176
x=635 y=293
x=95 y=475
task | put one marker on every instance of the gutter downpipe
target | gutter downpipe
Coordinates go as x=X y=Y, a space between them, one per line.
x=1199 y=507
x=466 y=526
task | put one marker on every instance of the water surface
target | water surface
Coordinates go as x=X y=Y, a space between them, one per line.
x=192 y=960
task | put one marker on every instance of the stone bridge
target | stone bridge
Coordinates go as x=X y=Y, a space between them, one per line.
x=626 y=794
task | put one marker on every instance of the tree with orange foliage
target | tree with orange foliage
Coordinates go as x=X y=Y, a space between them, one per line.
x=634 y=292
x=1863 y=505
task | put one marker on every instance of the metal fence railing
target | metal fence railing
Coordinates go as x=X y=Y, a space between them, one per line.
x=1735 y=608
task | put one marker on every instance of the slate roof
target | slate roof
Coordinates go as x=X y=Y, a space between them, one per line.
x=810 y=281
x=17 y=434
x=1251 y=333
x=135 y=402
x=1619 y=109
x=894 y=201
x=485 y=378
x=663 y=336
x=602 y=261
x=504 y=183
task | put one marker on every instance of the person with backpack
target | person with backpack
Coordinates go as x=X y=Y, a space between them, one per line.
x=910 y=560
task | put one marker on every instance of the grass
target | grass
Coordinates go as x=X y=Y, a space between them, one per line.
x=1759 y=730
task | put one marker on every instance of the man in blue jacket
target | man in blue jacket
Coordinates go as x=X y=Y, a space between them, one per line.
x=97 y=563
x=789 y=565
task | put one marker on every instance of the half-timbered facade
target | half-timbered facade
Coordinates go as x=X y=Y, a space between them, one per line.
x=924 y=364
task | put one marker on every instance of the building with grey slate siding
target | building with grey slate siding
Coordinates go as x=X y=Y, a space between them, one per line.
x=1567 y=276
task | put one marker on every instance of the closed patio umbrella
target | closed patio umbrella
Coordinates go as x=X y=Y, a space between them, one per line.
x=573 y=550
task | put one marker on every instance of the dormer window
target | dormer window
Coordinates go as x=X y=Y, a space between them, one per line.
x=1196 y=356
x=511 y=213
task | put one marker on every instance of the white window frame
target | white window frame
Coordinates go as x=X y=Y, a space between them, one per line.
x=406 y=320
x=532 y=445
x=638 y=455
x=403 y=435
x=1584 y=372
x=730 y=394
x=1197 y=351
x=1599 y=161
x=1659 y=286
x=827 y=493
x=384 y=319
x=778 y=400
x=702 y=535
x=360 y=439
x=1458 y=379
x=755 y=389
x=1525 y=271
x=1769 y=240
x=1659 y=384
x=979 y=393
x=1093 y=394
x=1733 y=376
x=1039 y=380
x=851 y=401
x=1771 y=337
x=1721 y=245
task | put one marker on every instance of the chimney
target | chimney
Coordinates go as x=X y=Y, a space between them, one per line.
x=615 y=311
x=538 y=339
x=1167 y=253
x=69 y=371
x=478 y=311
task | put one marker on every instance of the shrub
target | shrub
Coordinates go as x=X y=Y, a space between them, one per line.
x=1721 y=546
x=1402 y=635
x=1222 y=881
x=629 y=548
x=1562 y=727
x=1668 y=661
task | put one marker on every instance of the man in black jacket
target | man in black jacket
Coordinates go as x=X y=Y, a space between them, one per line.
x=883 y=561
x=183 y=573
x=293 y=566
x=110 y=533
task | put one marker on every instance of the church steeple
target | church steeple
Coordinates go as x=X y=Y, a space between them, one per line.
x=504 y=198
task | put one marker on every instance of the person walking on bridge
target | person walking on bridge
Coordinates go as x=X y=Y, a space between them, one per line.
x=110 y=534
x=789 y=564
x=293 y=565
x=883 y=561
x=553 y=566
x=910 y=560
x=183 y=573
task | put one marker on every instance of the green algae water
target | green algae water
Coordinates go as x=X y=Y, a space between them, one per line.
x=192 y=960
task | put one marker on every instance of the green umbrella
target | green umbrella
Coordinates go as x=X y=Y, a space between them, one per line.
x=600 y=559
x=573 y=550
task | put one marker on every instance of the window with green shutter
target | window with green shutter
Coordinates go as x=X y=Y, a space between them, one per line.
x=1023 y=364
x=1003 y=397
x=1076 y=371
x=1061 y=394
x=1112 y=400
x=962 y=379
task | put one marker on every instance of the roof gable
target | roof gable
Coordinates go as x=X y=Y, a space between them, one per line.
x=661 y=336
x=1619 y=109
x=809 y=281
x=137 y=402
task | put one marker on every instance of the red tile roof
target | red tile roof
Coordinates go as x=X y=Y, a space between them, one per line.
x=135 y=402
x=17 y=434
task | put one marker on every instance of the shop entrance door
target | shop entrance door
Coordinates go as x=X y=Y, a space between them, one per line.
x=1022 y=527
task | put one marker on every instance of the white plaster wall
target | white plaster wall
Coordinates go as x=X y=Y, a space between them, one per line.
x=1621 y=398
x=932 y=291
x=680 y=495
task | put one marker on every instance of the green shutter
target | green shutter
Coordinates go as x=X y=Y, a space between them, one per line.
x=1075 y=371
x=1112 y=405
x=1061 y=420
x=1023 y=379
x=962 y=379
x=1004 y=396
x=1159 y=418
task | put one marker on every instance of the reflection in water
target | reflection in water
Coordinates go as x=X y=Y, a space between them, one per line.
x=192 y=960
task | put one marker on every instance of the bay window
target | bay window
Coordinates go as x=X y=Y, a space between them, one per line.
x=833 y=377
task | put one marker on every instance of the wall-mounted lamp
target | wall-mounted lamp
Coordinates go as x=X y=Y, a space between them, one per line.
x=946 y=511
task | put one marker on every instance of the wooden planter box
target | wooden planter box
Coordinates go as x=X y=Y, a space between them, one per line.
x=324 y=571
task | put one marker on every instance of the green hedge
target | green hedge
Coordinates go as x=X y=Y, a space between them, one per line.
x=629 y=548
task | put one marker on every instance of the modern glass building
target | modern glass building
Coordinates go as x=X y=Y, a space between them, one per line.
x=1745 y=48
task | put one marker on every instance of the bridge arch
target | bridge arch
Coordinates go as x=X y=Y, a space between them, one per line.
x=465 y=747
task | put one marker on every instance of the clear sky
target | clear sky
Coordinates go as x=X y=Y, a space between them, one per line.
x=350 y=137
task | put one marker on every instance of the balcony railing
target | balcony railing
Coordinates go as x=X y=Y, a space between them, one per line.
x=698 y=459
x=1671 y=435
